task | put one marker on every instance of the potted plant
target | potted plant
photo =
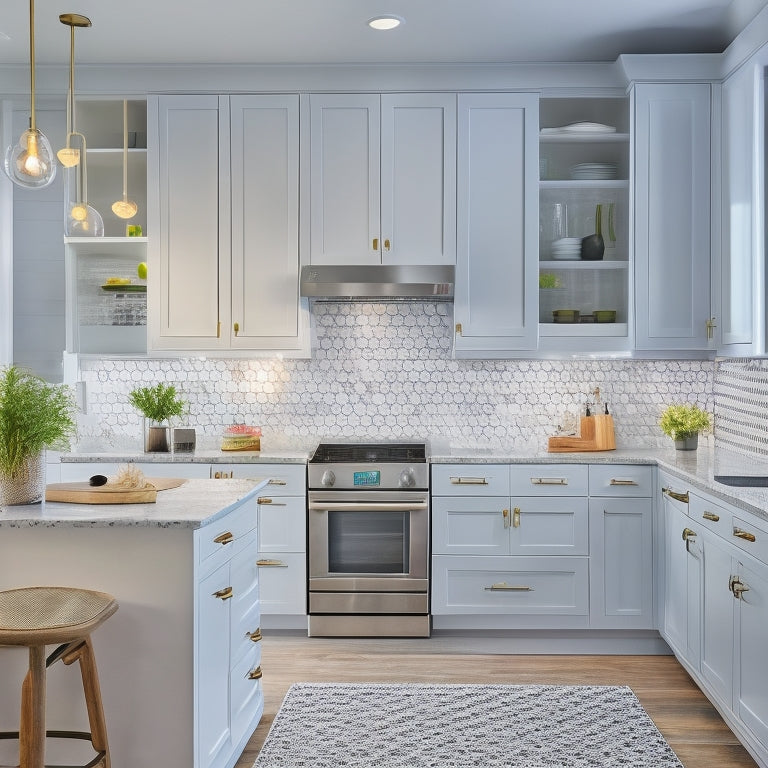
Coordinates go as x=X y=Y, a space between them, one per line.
x=157 y=404
x=683 y=423
x=34 y=415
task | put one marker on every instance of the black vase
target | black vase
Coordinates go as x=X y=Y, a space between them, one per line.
x=592 y=247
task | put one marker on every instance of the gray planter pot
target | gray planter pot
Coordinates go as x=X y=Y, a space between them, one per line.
x=689 y=443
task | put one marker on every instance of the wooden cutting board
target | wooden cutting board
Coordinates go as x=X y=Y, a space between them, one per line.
x=83 y=493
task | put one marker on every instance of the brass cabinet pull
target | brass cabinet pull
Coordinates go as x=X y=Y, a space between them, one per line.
x=469 y=481
x=505 y=514
x=375 y=243
x=218 y=330
x=236 y=328
x=711 y=516
x=502 y=586
x=255 y=636
x=549 y=480
x=676 y=495
x=386 y=245
x=224 y=538
x=268 y=500
x=740 y=534
x=224 y=594
x=223 y=475
x=271 y=564
x=459 y=329
x=711 y=325
x=619 y=481
x=688 y=534
x=738 y=587
x=516 y=518
x=276 y=481
x=255 y=674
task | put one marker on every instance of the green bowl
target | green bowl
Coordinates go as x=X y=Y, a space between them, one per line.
x=605 y=315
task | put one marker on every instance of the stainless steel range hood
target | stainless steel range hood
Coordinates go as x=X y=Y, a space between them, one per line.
x=377 y=281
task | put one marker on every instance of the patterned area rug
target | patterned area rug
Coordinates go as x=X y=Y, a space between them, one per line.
x=335 y=725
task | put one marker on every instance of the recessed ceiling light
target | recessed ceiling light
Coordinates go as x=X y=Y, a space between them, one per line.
x=385 y=22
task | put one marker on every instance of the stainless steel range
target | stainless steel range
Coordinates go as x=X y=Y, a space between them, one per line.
x=369 y=540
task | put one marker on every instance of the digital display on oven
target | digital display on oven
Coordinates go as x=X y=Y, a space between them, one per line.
x=367 y=478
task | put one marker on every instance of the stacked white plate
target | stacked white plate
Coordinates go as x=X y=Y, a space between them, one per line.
x=582 y=171
x=566 y=249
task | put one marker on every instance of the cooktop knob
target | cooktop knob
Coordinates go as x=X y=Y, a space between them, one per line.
x=328 y=478
x=407 y=479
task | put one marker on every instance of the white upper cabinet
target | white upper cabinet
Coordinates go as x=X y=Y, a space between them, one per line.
x=186 y=288
x=224 y=269
x=383 y=178
x=496 y=299
x=742 y=320
x=672 y=216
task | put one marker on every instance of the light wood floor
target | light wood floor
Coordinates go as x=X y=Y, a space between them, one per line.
x=686 y=719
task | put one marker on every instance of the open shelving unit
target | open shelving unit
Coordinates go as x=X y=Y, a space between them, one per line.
x=585 y=286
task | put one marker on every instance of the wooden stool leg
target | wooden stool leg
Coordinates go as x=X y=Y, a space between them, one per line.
x=84 y=654
x=32 y=727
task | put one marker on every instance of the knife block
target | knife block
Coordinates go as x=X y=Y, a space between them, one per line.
x=596 y=435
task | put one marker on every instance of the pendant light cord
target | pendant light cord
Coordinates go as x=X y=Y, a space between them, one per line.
x=125 y=149
x=32 y=63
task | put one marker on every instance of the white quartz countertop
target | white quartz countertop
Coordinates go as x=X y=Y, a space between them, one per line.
x=198 y=457
x=193 y=504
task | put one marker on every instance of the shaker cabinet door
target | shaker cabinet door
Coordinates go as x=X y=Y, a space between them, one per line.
x=496 y=299
x=185 y=287
x=672 y=215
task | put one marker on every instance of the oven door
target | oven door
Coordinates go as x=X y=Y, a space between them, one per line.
x=371 y=541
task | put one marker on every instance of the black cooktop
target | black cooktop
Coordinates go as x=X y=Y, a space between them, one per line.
x=360 y=453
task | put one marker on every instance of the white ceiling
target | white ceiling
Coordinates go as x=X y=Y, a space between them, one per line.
x=335 y=31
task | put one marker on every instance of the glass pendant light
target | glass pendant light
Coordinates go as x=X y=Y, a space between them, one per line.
x=83 y=220
x=69 y=156
x=125 y=208
x=30 y=163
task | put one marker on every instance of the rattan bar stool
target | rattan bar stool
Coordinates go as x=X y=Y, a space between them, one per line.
x=64 y=616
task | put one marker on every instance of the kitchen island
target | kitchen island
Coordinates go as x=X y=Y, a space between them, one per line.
x=179 y=661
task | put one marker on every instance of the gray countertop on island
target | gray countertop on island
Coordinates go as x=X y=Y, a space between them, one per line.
x=193 y=504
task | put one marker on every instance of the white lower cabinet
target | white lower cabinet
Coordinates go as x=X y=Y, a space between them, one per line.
x=621 y=546
x=525 y=546
x=229 y=698
x=681 y=616
x=282 y=545
x=722 y=602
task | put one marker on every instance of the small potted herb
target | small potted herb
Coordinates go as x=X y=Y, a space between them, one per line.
x=683 y=423
x=158 y=405
x=34 y=415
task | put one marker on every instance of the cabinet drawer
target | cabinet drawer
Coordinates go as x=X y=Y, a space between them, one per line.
x=284 y=479
x=470 y=480
x=79 y=471
x=620 y=480
x=510 y=585
x=283 y=583
x=704 y=511
x=471 y=525
x=750 y=537
x=283 y=524
x=549 y=526
x=244 y=579
x=674 y=493
x=226 y=532
x=247 y=693
x=549 y=480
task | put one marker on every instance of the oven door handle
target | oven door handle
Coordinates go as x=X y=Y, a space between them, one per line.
x=368 y=506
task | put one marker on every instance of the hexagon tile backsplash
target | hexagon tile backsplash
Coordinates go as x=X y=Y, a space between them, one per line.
x=384 y=371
